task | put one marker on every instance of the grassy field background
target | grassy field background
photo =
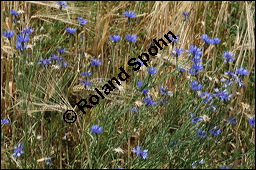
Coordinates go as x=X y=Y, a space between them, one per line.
x=34 y=98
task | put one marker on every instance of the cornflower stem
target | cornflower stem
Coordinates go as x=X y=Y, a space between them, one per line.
x=113 y=59
x=176 y=84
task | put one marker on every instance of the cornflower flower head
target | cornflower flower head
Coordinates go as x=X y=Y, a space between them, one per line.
x=27 y=30
x=87 y=84
x=130 y=14
x=61 y=50
x=152 y=70
x=201 y=133
x=207 y=96
x=215 y=130
x=115 y=38
x=252 y=121
x=48 y=160
x=196 y=68
x=22 y=38
x=82 y=21
x=182 y=69
x=18 y=150
x=134 y=109
x=164 y=90
x=195 y=85
x=197 y=119
x=216 y=40
x=224 y=167
x=228 y=56
x=194 y=50
x=21 y=46
x=13 y=12
x=223 y=95
x=71 y=30
x=139 y=152
x=5 y=121
x=207 y=39
x=145 y=91
x=96 y=129
x=232 y=120
x=197 y=59
x=186 y=14
x=63 y=4
x=174 y=39
x=177 y=52
x=45 y=62
x=131 y=38
x=86 y=74
x=95 y=61
x=149 y=101
x=242 y=71
x=240 y=82
x=8 y=34
x=139 y=84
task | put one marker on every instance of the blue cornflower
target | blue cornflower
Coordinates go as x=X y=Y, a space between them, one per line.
x=232 y=120
x=145 y=91
x=22 y=38
x=141 y=63
x=207 y=39
x=115 y=38
x=182 y=69
x=207 y=96
x=196 y=67
x=5 y=121
x=216 y=40
x=194 y=50
x=201 y=133
x=152 y=70
x=197 y=119
x=87 y=74
x=164 y=90
x=197 y=59
x=63 y=4
x=134 y=109
x=8 y=34
x=149 y=101
x=228 y=56
x=174 y=39
x=164 y=101
x=186 y=14
x=215 y=130
x=48 y=160
x=195 y=85
x=240 y=82
x=27 y=30
x=96 y=61
x=242 y=71
x=139 y=84
x=54 y=57
x=130 y=14
x=87 y=84
x=96 y=129
x=139 y=152
x=252 y=121
x=131 y=38
x=18 y=150
x=61 y=50
x=21 y=46
x=71 y=30
x=223 y=95
x=45 y=62
x=81 y=20
x=224 y=167
x=177 y=52
x=13 y=12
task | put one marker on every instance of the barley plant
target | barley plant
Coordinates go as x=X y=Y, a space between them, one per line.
x=153 y=84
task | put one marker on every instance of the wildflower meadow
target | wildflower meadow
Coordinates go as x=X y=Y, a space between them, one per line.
x=147 y=84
